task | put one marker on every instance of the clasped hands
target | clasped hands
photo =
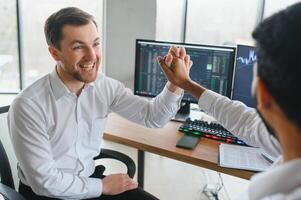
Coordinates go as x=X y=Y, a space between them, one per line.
x=176 y=66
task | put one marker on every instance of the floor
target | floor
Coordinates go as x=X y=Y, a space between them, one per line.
x=171 y=179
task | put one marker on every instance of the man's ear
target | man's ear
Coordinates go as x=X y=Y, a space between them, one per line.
x=264 y=98
x=54 y=53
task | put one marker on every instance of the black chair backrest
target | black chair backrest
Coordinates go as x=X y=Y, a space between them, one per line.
x=9 y=193
x=4 y=109
x=5 y=170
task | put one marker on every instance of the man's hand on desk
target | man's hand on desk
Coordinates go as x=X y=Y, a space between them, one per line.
x=117 y=183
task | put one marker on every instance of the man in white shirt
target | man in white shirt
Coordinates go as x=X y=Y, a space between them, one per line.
x=276 y=125
x=56 y=124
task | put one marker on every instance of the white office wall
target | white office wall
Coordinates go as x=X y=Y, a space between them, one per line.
x=125 y=21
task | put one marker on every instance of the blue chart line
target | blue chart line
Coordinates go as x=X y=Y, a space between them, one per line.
x=251 y=59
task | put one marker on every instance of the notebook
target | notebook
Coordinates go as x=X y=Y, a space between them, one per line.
x=243 y=157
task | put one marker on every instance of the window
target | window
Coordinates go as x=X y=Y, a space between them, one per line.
x=37 y=60
x=273 y=6
x=9 y=60
x=221 y=22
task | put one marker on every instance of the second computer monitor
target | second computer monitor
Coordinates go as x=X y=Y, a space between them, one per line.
x=212 y=67
x=245 y=59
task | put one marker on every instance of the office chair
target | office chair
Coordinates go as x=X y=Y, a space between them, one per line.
x=111 y=154
x=7 y=187
x=9 y=193
x=5 y=170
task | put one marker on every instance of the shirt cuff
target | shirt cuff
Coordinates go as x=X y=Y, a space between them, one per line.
x=207 y=99
x=94 y=187
x=172 y=96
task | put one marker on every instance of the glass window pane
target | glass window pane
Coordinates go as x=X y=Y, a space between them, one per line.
x=273 y=6
x=37 y=60
x=220 y=22
x=9 y=61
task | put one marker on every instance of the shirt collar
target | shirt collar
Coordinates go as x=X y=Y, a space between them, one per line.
x=60 y=89
x=89 y=85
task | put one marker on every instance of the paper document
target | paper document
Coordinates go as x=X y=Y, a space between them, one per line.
x=242 y=157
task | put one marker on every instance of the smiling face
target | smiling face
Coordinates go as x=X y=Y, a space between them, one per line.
x=78 y=58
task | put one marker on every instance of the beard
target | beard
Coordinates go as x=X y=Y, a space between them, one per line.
x=85 y=79
x=82 y=76
x=269 y=128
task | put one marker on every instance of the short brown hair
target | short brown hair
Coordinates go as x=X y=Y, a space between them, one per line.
x=66 y=16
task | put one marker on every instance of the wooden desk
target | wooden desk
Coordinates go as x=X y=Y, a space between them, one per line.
x=162 y=141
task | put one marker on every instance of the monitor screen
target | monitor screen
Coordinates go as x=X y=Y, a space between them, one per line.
x=212 y=67
x=243 y=75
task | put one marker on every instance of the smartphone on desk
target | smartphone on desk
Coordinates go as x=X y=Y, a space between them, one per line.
x=188 y=142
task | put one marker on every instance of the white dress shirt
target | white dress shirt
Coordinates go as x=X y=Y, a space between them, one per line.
x=56 y=134
x=283 y=180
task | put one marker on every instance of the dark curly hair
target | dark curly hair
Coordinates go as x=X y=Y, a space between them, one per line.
x=278 y=46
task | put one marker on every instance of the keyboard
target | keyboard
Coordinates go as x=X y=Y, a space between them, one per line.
x=209 y=130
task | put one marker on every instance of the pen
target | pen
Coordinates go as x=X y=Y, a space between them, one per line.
x=267 y=158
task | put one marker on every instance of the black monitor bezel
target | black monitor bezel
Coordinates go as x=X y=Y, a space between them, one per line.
x=229 y=90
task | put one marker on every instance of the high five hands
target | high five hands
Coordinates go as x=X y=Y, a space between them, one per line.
x=176 y=66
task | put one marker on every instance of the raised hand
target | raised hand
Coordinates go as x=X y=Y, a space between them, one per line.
x=176 y=66
x=117 y=183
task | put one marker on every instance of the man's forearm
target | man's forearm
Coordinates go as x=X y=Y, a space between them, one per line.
x=194 y=89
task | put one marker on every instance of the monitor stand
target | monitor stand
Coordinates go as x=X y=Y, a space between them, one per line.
x=183 y=113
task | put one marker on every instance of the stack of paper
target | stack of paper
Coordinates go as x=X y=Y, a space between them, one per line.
x=242 y=157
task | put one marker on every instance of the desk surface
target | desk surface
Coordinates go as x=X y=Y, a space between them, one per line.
x=162 y=141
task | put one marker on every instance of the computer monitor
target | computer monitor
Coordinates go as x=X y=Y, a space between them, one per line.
x=243 y=74
x=212 y=68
